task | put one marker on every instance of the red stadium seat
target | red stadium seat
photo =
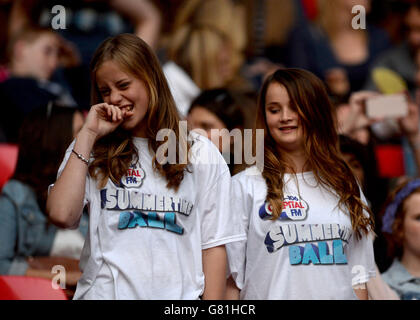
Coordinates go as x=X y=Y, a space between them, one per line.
x=8 y=159
x=29 y=288
x=390 y=161
x=310 y=8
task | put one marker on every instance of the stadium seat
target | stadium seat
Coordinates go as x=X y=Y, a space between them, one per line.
x=29 y=288
x=390 y=161
x=8 y=159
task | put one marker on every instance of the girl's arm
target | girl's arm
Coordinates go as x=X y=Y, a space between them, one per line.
x=214 y=268
x=232 y=291
x=362 y=294
x=65 y=201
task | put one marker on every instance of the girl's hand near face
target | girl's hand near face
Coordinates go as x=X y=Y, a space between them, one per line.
x=353 y=116
x=65 y=201
x=104 y=118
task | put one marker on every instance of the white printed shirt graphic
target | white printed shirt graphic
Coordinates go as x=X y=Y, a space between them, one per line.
x=309 y=252
x=145 y=241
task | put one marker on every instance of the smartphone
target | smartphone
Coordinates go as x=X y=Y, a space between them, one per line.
x=387 y=106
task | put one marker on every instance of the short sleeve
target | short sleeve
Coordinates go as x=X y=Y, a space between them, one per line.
x=241 y=205
x=360 y=255
x=218 y=223
x=361 y=259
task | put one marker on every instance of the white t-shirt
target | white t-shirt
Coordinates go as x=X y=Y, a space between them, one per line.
x=67 y=243
x=310 y=252
x=182 y=87
x=145 y=241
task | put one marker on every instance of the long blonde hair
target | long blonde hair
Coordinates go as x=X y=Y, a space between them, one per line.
x=308 y=95
x=114 y=153
x=201 y=31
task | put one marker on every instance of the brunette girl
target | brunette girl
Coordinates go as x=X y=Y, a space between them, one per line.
x=307 y=222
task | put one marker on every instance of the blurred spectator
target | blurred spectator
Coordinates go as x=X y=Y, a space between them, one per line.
x=389 y=15
x=5 y=8
x=401 y=224
x=268 y=27
x=34 y=53
x=410 y=146
x=418 y=73
x=377 y=186
x=33 y=58
x=219 y=109
x=30 y=244
x=402 y=58
x=353 y=122
x=361 y=158
x=334 y=50
x=204 y=52
x=87 y=24
x=352 y=119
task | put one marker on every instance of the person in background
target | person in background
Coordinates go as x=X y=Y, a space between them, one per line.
x=204 y=51
x=269 y=25
x=418 y=75
x=30 y=244
x=401 y=225
x=334 y=50
x=353 y=123
x=87 y=23
x=360 y=161
x=222 y=110
x=34 y=55
x=401 y=59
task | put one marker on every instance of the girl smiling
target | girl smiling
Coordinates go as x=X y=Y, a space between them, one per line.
x=157 y=230
x=307 y=223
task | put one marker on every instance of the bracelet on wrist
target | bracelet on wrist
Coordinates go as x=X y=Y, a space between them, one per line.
x=86 y=161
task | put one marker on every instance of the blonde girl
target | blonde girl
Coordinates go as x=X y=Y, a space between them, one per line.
x=157 y=228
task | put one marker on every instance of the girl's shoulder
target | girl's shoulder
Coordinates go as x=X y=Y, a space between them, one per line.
x=249 y=175
x=203 y=151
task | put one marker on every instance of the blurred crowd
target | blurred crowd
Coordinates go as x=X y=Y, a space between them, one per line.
x=215 y=55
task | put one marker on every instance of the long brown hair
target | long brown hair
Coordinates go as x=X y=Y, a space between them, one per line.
x=114 y=153
x=44 y=136
x=308 y=96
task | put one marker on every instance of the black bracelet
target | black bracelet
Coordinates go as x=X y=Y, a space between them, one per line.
x=81 y=157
